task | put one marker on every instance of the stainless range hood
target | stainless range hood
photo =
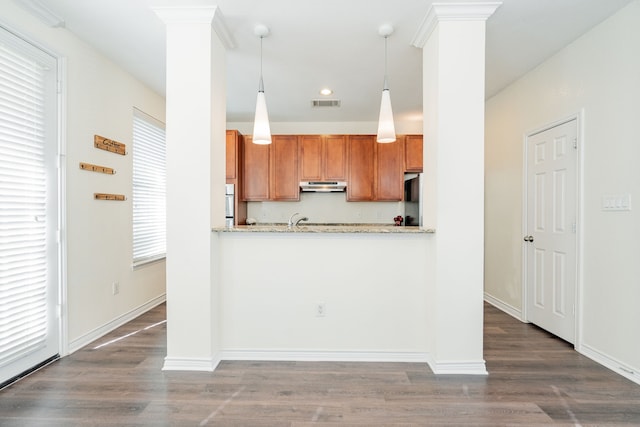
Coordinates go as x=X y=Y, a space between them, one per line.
x=323 y=186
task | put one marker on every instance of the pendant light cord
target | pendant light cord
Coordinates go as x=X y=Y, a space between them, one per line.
x=386 y=86
x=261 y=87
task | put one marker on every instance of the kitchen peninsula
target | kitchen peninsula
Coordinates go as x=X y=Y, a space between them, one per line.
x=323 y=292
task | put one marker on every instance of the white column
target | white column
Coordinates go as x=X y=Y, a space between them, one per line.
x=195 y=131
x=452 y=37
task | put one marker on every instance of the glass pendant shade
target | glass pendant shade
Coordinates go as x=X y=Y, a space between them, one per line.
x=261 y=129
x=386 y=128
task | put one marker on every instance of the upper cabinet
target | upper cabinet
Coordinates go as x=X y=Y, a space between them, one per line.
x=311 y=157
x=375 y=170
x=284 y=182
x=390 y=171
x=255 y=171
x=413 y=153
x=323 y=157
x=271 y=171
x=360 y=182
x=232 y=155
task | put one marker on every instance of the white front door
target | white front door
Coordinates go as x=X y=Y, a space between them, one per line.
x=550 y=237
x=29 y=281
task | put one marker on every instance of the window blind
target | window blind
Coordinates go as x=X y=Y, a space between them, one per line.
x=23 y=195
x=149 y=189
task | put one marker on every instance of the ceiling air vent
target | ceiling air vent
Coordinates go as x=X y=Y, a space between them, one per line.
x=325 y=102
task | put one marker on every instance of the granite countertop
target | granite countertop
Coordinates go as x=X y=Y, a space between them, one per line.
x=325 y=228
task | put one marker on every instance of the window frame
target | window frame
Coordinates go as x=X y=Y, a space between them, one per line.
x=147 y=131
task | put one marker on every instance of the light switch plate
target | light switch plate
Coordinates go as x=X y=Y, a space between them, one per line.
x=616 y=202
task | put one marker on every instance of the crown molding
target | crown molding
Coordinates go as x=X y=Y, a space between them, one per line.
x=42 y=12
x=197 y=15
x=439 y=12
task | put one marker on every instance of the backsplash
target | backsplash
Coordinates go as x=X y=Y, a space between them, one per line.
x=326 y=208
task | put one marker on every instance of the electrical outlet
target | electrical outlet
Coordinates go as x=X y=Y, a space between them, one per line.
x=115 y=288
x=321 y=309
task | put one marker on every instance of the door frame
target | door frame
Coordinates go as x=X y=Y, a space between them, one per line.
x=578 y=303
x=61 y=180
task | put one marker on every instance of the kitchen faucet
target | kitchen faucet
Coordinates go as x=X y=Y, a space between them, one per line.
x=304 y=218
x=291 y=223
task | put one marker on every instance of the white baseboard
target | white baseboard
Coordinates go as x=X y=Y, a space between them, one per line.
x=503 y=306
x=469 y=367
x=93 y=335
x=190 y=364
x=324 y=356
x=610 y=362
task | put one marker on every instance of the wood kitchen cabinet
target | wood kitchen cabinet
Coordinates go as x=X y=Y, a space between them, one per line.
x=390 y=171
x=234 y=161
x=284 y=180
x=335 y=157
x=271 y=171
x=373 y=171
x=323 y=157
x=376 y=171
x=413 y=153
x=255 y=171
x=361 y=172
x=232 y=148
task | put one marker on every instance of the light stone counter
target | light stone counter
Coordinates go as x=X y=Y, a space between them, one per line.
x=325 y=228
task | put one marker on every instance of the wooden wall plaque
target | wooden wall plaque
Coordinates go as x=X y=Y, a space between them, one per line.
x=96 y=168
x=109 y=145
x=107 y=196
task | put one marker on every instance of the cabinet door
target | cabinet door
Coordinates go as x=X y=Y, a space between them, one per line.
x=413 y=153
x=255 y=170
x=232 y=154
x=335 y=158
x=285 y=182
x=389 y=171
x=360 y=185
x=311 y=157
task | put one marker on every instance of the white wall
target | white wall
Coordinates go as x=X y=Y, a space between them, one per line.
x=100 y=98
x=599 y=74
x=373 y=287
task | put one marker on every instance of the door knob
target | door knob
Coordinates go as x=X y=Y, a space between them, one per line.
x=528 y=238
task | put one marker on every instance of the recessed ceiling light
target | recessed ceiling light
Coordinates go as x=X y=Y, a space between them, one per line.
x=326 y=91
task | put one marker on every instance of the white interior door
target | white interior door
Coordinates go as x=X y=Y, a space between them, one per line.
x=550 y=238
x=29 y=282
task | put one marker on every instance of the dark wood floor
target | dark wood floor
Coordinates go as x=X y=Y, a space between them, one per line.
x=535 y=379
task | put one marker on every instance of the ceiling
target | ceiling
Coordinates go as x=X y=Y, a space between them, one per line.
x=328 y=43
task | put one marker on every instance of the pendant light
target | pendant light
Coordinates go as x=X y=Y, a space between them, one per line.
x=261 y=129
x=386 y=128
